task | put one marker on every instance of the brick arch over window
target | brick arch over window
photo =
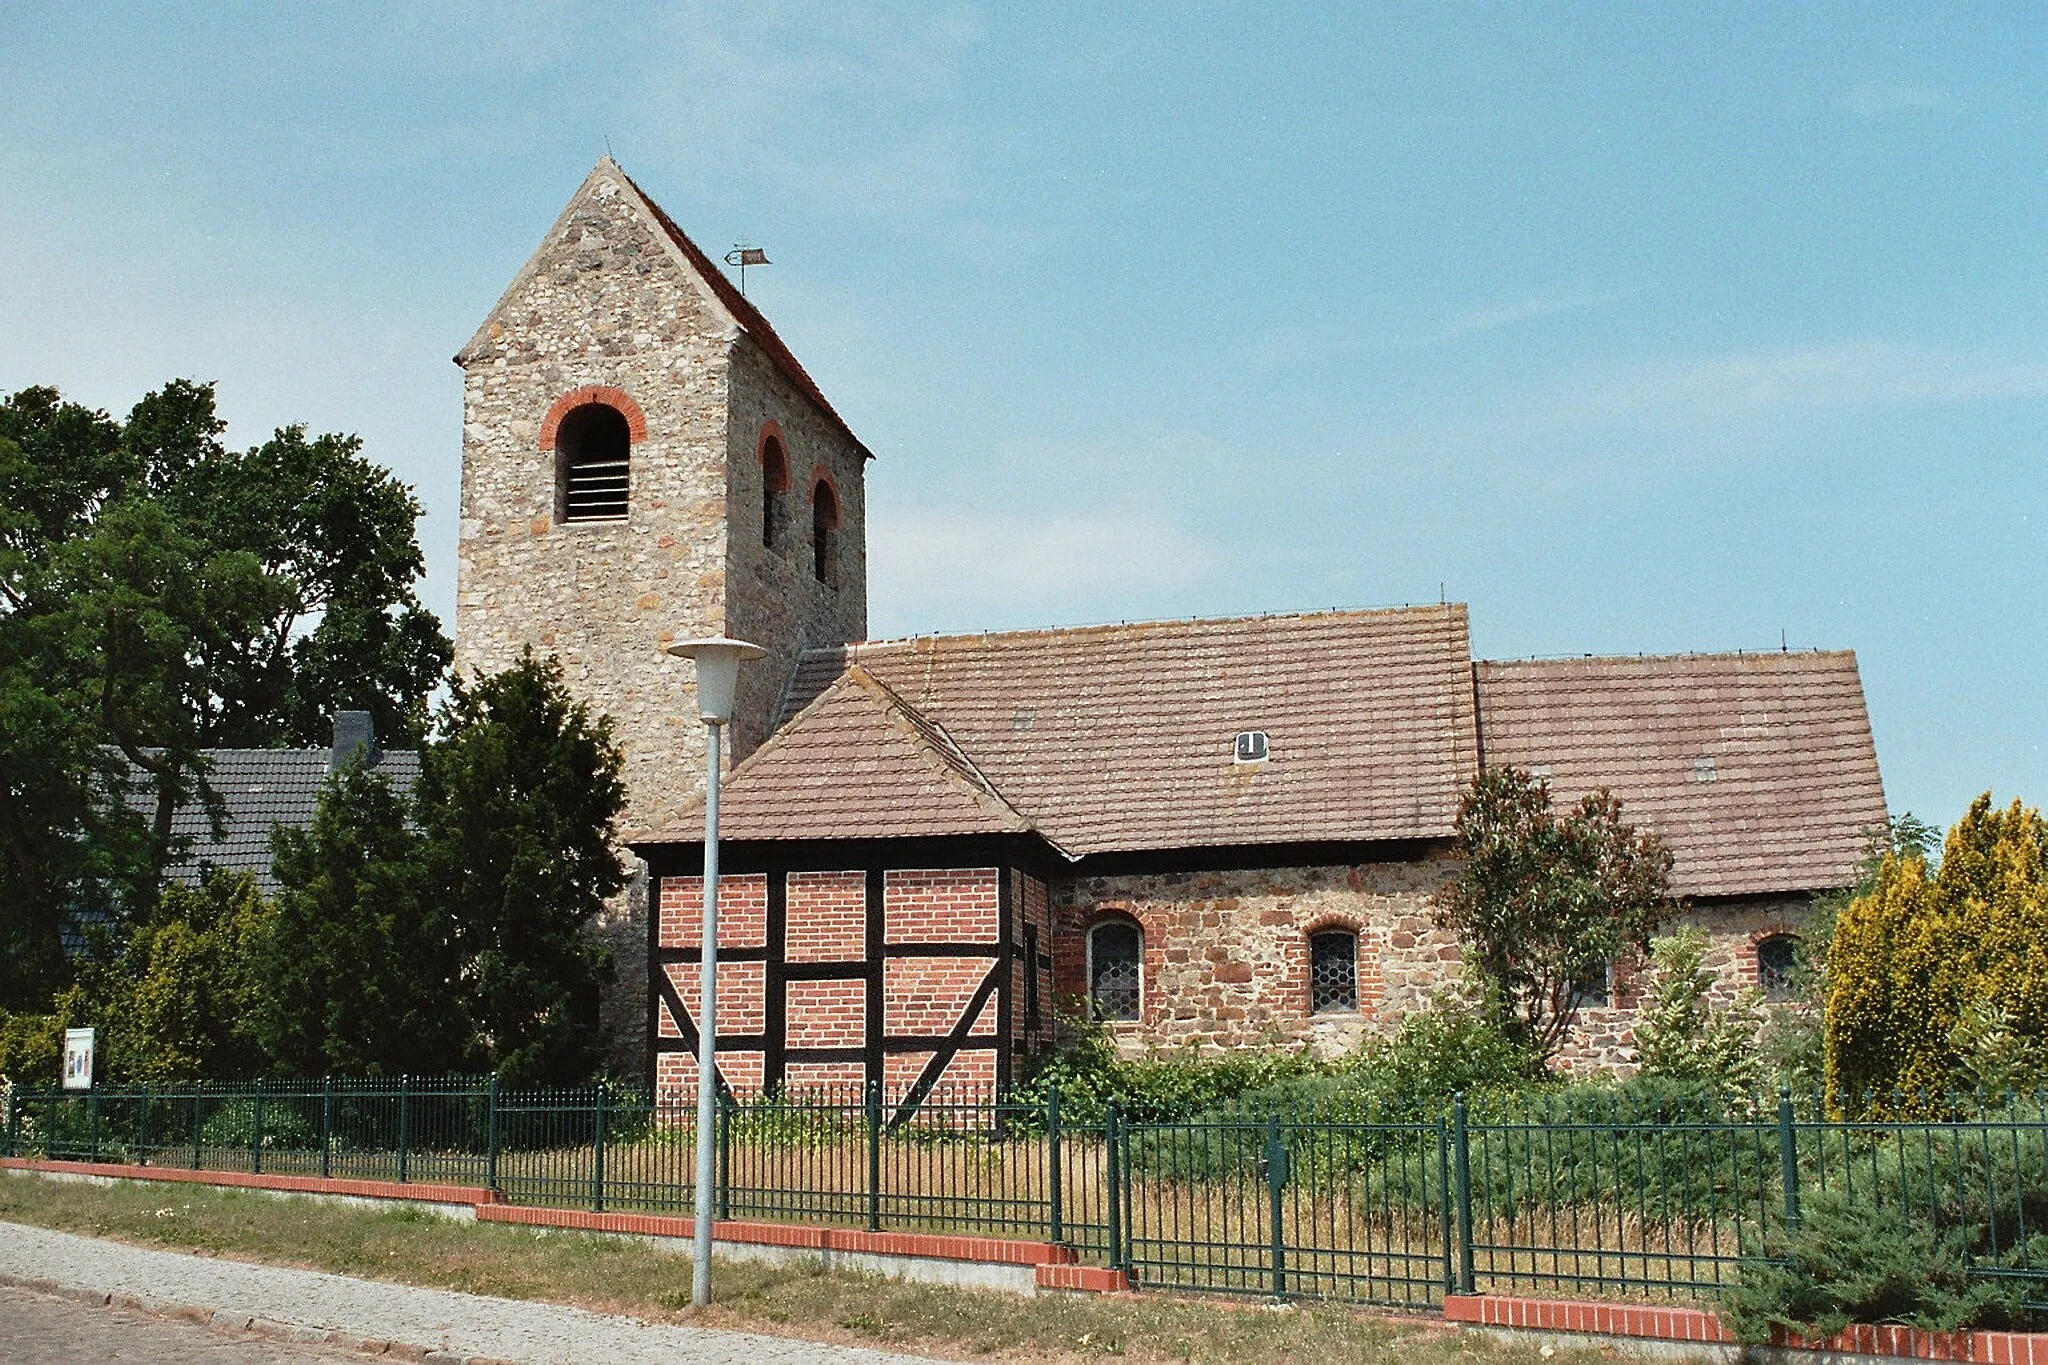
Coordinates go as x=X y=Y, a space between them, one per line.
x=636 y=420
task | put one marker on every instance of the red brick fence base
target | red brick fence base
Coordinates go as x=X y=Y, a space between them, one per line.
x=1698 y=1327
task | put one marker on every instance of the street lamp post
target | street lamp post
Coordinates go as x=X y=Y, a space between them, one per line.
x=718 y=668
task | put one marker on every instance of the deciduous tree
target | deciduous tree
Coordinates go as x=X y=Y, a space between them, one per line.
x=1544 y=903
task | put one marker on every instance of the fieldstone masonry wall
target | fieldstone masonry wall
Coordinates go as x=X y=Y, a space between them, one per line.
x=1226 y=955
x=609 y=302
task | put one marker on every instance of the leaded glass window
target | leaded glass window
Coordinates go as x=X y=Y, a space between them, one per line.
x=1775 y=957
x=1115 y=951
x=1333 y=972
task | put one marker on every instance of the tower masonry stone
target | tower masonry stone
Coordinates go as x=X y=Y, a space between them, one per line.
x=619 y=309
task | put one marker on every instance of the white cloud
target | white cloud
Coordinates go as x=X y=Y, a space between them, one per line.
x=924 y=558
x=1498 y=316
x=1855 y=374
x=1880 y=99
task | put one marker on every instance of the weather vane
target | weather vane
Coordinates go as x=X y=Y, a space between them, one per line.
x=744 y=256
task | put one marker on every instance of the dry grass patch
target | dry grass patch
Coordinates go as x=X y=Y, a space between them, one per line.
x=410 y=1246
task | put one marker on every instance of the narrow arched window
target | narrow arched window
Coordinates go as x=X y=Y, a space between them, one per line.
x=1116 y=950
x=593 y=447
x=1775 y=958
x=824 y=533
x=1333 y=972
x=774 y=491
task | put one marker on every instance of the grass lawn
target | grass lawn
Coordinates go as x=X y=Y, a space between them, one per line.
x=617 y=1276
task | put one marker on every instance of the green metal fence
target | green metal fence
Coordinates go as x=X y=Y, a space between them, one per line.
x=1601 y=1196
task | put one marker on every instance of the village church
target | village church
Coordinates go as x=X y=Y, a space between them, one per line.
x=1216 y=832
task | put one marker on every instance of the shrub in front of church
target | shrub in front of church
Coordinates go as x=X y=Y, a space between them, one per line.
x=1545 y=901
x=1937 y=980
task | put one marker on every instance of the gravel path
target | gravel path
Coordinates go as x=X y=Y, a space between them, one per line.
x=454 y=1327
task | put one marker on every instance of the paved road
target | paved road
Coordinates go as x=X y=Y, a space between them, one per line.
x=461 y=1325
x=36 y=1329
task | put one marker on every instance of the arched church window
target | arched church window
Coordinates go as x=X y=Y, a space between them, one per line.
x=774 y=492
x=1116 y=949
x=1775 y=958
x=1333 y=972
x=824 y=533
x=593 y=447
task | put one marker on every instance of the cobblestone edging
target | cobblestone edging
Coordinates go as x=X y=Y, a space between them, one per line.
x=390 y=1321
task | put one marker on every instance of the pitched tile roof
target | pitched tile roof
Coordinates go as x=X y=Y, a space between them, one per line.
x=861 y=764
x=1118 y=738
x=261 y=787
x=749 y=317
x=1757 y=769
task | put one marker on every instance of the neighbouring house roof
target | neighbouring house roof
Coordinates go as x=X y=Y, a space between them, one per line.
x=1122 y=738
x=1758 y=770
x=259 y=788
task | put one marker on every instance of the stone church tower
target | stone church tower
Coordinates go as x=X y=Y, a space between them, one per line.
x=643 y=460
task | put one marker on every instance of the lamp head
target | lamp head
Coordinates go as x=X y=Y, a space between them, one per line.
x=718 y=672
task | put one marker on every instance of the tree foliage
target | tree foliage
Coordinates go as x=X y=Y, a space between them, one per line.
x=160 y=595
x=517 y=801
x=1682 y=1035
x=1545 y=902
x=445 y=929
x=1938 y=979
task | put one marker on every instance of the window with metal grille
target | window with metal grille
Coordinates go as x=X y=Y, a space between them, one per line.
x=824 y=533
x=774 y=488
x=1333 y=972
x=594 y=447
x=1115 y=951
x=1775 y=958
x=1596 y=988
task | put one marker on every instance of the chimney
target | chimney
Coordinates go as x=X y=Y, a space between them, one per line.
x=353 y=731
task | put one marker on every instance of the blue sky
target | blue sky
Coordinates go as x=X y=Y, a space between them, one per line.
x=1639 y=328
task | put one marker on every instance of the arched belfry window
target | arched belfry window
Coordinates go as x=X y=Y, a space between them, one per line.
x=1116 y=951
x=774 y=492
x=593 y=452
x=824 y=533
x=1776 y=957
x=1333 y=972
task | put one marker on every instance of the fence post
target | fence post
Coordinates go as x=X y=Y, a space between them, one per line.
x=196 y=1158
x=1461 y=1155
x=1788 y=1157
x=92 y=1108
x=597 y=1157
x=256 y=1135
x=1054 y=1176
x=404 y=1126
x=1443 y=1199
x=491 y=1136
x=13 y=1120
x=326 y=1127
x=142 y=1129
x=874 y=1118
x=1113 y=1160
x=726 y=1105
x=1276 y=1182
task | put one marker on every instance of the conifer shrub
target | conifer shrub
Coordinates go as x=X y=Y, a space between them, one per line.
x=1938 y=980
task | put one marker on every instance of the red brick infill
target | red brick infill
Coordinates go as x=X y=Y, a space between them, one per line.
x=1697 y=1325
x=285 y=1184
